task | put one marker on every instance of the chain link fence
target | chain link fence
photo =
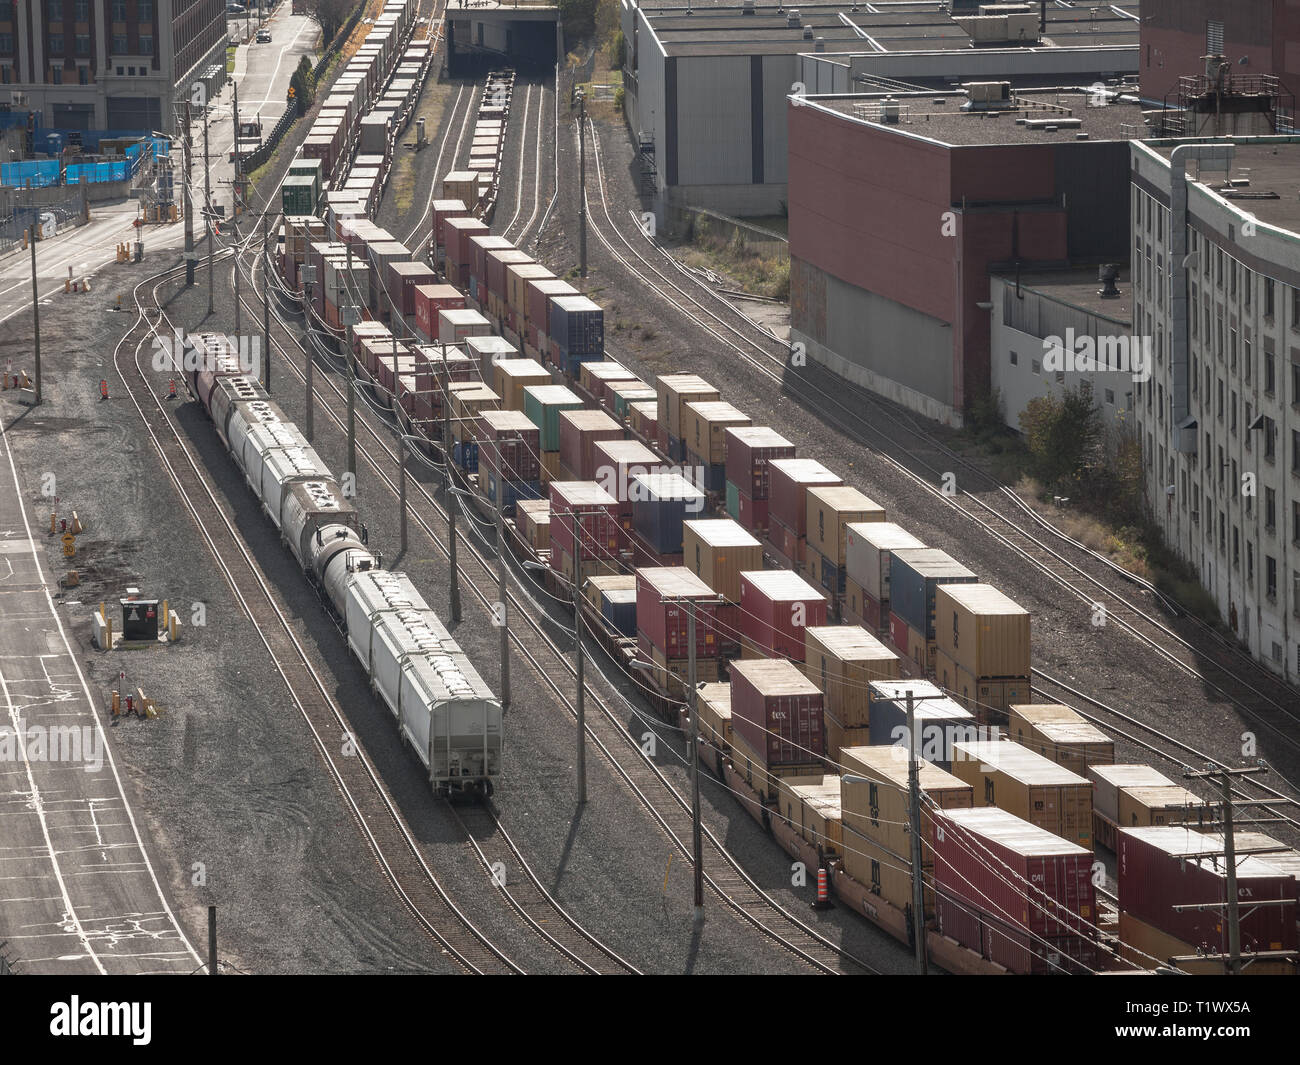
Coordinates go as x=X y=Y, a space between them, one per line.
x=50 y=211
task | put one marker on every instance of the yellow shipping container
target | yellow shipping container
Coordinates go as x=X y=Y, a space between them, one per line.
x=596 y=585
x=883 y=873
x=1014 y=778
x=1147 y=946
x=533 y=518
x=811 y=805
x=877 y=808
x=829 y=509
x=718 y=551
x=511 y=376
x=674 y=389
x=517 y=277
x=713 y=705
x=1169 y=805
x=466 y=403
x=755 y=772
x=987 y=698
x=982 y=631
x=838 y=737
x=842 y=660
x=1061 y=734
x=705 y=425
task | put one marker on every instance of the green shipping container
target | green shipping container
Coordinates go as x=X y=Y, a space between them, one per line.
x=733 y=502
x=298 y=195
x=631 y=396
x=542 y=404
x=308 y=168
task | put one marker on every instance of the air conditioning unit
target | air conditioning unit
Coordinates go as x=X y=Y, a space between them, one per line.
x=792 y=19
x=988 y=93
x=18 y=98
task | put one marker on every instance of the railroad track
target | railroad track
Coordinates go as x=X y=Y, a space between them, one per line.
x=1268 y=709
x=606 y=730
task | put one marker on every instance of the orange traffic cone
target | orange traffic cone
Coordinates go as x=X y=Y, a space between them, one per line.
x=103 y=389
x=823 y=891
x=171 y=388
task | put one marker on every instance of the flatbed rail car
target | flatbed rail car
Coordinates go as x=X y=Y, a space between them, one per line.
x=443 y=709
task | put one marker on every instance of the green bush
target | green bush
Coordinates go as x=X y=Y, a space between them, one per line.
x=1064 y=434
x=578 y=17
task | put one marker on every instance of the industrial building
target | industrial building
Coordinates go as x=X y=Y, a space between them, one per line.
x=705 y=86
x=903 y=206
x=116 y=65
x=483 y=33
x=1215 y=239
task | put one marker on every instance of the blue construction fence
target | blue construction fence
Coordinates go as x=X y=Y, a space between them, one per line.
x=43 y=173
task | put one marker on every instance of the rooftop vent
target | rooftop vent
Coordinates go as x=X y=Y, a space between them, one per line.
x=821 y=44
x=807 y=33
x=1060 y=122
x=792 y=19
x=889 y=110
x=987 y=95
x=748 y=8
x=1108 y=274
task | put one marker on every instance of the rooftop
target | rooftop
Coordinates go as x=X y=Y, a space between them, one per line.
x=1032 y=116
x=1272 y=170
x=1080 y=288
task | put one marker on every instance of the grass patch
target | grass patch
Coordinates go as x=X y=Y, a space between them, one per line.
x=404 y=174
x=762 y=273
x=230 y=59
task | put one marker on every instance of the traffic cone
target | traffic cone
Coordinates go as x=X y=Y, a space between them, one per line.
x=103 y=389
x=823 y=891
x=77 y=527
x=54 y=521
x=171 y=388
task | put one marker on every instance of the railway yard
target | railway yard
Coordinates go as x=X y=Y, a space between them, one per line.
x=336 y=765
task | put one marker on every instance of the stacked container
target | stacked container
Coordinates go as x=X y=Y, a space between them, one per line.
x=617 y=462
x=584 y=528
x=1014 y=778
x=704 y=428
x=749 y=451
x=941 y=723
x=876 y=820
x=508 y=444
x=914 y=574
x=429 y=300
x=981 y=648
x=787 y=525
x=811 y=806
x=776 y=608
x=576 y=331
x=455 y=325
x=442 y=211
x=594 y=376
x=497 y=261
x=510 y=377
x=458 y=232
x=487 y=350
x=642 y=418
x=1022 y=897
x=476 y=281
x=713 y=708
x=776 y=722
x=461 y=185
x=829 y=508
x=718 y=551
x=542 y=404
x=671 y=391
x=663 y=622
x=661 y=502
x=1060 y=734
x=533 y=519
x=403 y=280
x=623 y=395
x=518 y=275
x=537 y=313
x=580 y=431
x=843 y=660
x=866 y=563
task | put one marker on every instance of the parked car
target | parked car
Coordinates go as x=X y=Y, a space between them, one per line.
x=263 y=37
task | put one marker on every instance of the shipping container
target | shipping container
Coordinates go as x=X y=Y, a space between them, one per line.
x=713 y=708
x=777 y=712
x=843 y=660
x=914 y=573
x=663 y=615
x=537 y=316
x=533 y=518
x=1159 y=868
x=671 y=391
x=811 y=806
x=486 y=351
x=497 y=261
x=1171 y=804
x=509 y=442
x=594 y=376
x=1021 y=896
x=518 y=275
x=455 y=325
x=618 y=608
x=829 y=508
x=476 y=281
x=458 y=232
x=749 y=449
x=442 y=211
x=429 y=300
x=983 y=632
x=403 y=279
x=1109 y=780
x=866 y=562
x=576 y=330
x=1060 y=734
x=584 y=512
x=776 y=609
x=661 y=502
x=704 y=429
x=789 y=481
x=468 y=400
x=511 y=376
x=298 y=194
x=617 y=462
x=594 y=587
x=1014 y=778
x=624 y=395
x=580 y=431
x=461 y=185
x=875 y=808
x=543 y=403
x=940 y=721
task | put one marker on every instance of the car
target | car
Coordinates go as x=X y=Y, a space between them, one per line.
x=263 y=37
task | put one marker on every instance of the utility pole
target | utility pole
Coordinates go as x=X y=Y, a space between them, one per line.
x=235 y=259
x=36 y=312
x=235 y=189
x=308 y=272
x=207 y=204
x=352 y=379
x=577 y=646
x=914 y=816
x=189 y=218
x=401 y=487
x=693 y=753
x=502 y=592
x=582 y=184
x=1225 y=776
x=450 y=486
x=212 y=941
x=266 y=311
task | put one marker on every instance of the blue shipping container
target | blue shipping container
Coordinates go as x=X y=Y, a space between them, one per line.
x=660 y=503
x=833 y=578
x=940 y=721
x=618 y=607
x=913 y=574
x=577 y=326
x=466 y=455
x=514 y=491
x=676 y=449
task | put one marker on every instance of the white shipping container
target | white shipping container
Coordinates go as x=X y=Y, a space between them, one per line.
x=455 y=325
x=868 y=551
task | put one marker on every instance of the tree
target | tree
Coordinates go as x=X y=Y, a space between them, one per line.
x=1063 y=433
x=331 y=14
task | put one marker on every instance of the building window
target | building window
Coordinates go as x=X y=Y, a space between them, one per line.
x=1223 y=535
x=56 y=75
x=1295 y=451
x=1250 y=562
x=1219 y=404
x=1270 y=374
x=54 y=10
x=1236 y=548
x=1232 y=350
x=81 y=10
x=1232 y=415
x=1295 y=522
x=1033 y=365
x=56 y=43
x=1110 y=396
x=131 y=71
x=6 y=43
x=1218 y=267
x=120 y=71
x=1270 y=509
x=119 y=10
x=1295 y=384
x=1247 y=433
x=1268 y=297
x=1247 y=361
x=1232 y=277
x=1015 y=359
x=119 y=46
x=1295 y=308
x=83 y=44
x=1223 y=466
x=1247 y=283
x=83 y=75
x=1270 y=443
x=146 y=46
x=144 y=10
x=1270 y=577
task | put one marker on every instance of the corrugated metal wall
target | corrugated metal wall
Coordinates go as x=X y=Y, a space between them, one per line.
x=714 y=140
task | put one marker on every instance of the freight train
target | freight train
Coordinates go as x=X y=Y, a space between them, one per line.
x=648 y=494
x=444 y=710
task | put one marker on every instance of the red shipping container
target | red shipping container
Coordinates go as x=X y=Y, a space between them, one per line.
x=750 y=449
x=871 y=614
x=1158 y=869
x=753 y=514
x=519 y=440
x=496 y=260
x=595 y=511
x=789 y=481
x=783 y=539
x=403 y=278
x=777 y=710
x=442 y=210
x=666 y=625
x=616 y=463
x=458 y=232
x=458 y=365
x=776 y=607
x=898 y=632
x=1003 y=885
x=368 y=331
x=479 y=245
x=729 y=626
x=429 y=300
x=580 y=430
